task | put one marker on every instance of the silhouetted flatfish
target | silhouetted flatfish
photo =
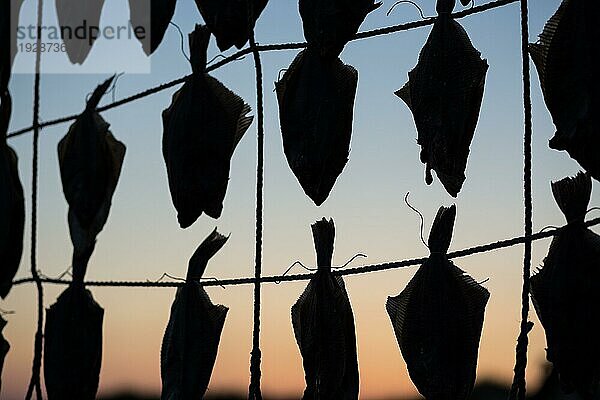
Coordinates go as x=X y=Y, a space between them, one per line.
x=444 y=94
x=438 y=320
x=566 y=292
x=324 y=327
x=202 y=127
x=9 y=18
x=77 y=19
x=191 y=340
x=316 y=107
x=73 y=345
x=90 y=161
x=154 y=17
x=229 y=20
x=565 y=58
x=12 y=204
x=330 y=24
x=4 y=348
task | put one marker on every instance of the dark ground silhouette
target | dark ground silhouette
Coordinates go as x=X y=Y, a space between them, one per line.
x=550 y=390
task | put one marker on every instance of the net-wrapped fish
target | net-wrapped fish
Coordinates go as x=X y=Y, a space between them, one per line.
x=324 y=327
x=73 y=345
x=154 y=17
x=75 y=17
x=330 y=24
x=229 y=20
x=565 y=60
x=202 y=128
x=444 y=93
x=566 y=292
x=12 y=204
x=9 y=18
x=316 y=95
x=191 y=340
x=438 y=319
x=316 y=108
x=4 y=348
x=90 y=161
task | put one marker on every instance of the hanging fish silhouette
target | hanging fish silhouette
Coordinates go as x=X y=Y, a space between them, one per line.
x=153 y=16
x=202 y=128
x=12 y=204
x=565 y=58
x=566 y=292
x=73 y=345
x=77 y=19
x=438 y=320
x=330 y=24
x=444 y=93
x=9 y=19
x=4 y=348
x=90 y=161
x=316 y=107
x=229 y=20
x=191 y=341
x=324 y=327
x=316 y=95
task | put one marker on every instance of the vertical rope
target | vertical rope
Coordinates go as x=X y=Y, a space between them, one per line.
x=34 y=382
x=518 y=389
x=255 y=357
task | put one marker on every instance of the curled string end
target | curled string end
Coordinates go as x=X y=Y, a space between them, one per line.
x=407 y=2
x=181 y=36
x=298 y=262
x=359 y=255
x=420 y=216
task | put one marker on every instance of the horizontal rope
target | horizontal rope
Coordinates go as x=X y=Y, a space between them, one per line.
x=266 y=48
x=303 y=277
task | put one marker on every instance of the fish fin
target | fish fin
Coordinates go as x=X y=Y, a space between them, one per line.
x=441 y=230
x=573 y=196
x=98 y=93
x=207 y=249
x=324 y=236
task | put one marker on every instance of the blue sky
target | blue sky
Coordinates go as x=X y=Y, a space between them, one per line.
x=142 y=240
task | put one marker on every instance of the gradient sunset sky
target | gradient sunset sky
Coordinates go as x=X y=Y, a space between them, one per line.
x=142 y=239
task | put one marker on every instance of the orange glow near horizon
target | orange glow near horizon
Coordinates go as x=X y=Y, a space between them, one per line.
x=135 y=320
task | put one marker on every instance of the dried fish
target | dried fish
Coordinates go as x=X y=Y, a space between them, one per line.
x=324 y=327
x=12 y=204
x=79 y=22
x=90 y=161
x=73 y=345
x=202 y=128
x=566 y=292
x=316 y=107
x=229 y=20
x=438 y=319
x=153 y=16
x=444 y=94
x=565 y=60
x=4 y=348
x=9 y=18
x=191 y=340
x=330 y=24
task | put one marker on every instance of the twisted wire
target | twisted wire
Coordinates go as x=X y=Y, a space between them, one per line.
x=34 y=382
x=518 y=388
